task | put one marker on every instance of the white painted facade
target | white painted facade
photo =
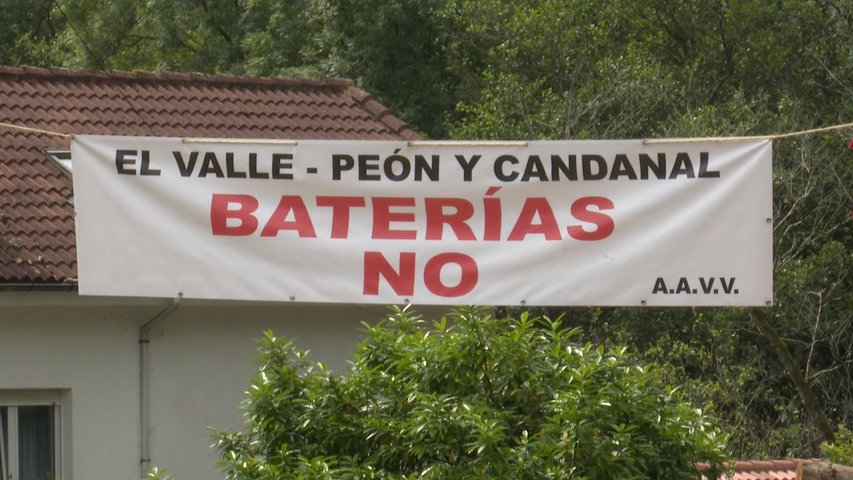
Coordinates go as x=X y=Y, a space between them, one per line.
x=201 y=356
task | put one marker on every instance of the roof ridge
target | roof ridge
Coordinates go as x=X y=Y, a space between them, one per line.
x=781 y=464
x=379 y=111
x=752 y=465
x=54 y=72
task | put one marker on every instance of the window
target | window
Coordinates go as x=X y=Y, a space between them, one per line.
x=29 y=436
x=61 y=157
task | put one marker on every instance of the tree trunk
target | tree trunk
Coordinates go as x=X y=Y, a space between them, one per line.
x=806 y=395
x=824 y=471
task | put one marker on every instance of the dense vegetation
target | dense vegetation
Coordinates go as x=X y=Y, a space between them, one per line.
x=572 y=69
x=468 y=396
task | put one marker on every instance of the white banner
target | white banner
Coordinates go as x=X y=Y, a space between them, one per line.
x=503 y=223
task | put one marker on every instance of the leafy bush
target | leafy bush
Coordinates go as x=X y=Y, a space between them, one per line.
x=468 y=396
x=158 y=474
x=841 y=450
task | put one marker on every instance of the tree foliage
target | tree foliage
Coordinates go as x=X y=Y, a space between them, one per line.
x=28 y=32
x=468 y=396
x=689 y=68
x=841 y=450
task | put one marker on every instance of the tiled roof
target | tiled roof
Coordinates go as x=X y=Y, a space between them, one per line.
x=36 y=211
x=763 y=469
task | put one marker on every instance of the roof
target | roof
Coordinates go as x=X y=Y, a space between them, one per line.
x=764 y=469
x=37 y=243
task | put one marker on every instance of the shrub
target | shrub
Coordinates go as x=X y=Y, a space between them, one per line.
x=468 y=396
x=841 y=450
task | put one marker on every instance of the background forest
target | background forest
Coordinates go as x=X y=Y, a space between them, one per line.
x=574 y=69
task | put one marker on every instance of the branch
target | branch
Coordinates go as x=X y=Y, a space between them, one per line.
x=806 y=393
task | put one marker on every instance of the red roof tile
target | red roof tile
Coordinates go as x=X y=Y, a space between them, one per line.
x=763 y=469
x=36 y=205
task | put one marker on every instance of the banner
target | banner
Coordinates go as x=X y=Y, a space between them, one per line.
x=604 y=223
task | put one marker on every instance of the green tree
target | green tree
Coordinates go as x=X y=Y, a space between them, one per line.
x=28 y=32
x=468 y=396
x=154 y=35
x=574 y=70
x=400 y=51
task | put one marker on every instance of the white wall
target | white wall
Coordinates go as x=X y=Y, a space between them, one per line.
x=201 y=360
x=92 y=355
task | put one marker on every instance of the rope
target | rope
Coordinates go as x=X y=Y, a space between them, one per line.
x=239 y=141
x=36 y=130
x=809 y=132
x=466 y=143
x=778 y=136
x=650 y=141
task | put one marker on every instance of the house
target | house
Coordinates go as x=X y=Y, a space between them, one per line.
x=107 y=387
